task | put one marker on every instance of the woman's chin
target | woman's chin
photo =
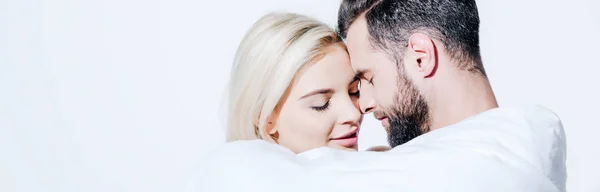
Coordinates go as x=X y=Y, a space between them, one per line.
x=352 y=148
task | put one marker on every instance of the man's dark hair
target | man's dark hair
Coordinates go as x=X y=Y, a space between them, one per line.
x=391 y=22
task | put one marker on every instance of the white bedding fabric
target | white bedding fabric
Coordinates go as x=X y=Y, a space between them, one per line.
x=503 y=149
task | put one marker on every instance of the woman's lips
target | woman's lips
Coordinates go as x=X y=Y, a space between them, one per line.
x=348 y=140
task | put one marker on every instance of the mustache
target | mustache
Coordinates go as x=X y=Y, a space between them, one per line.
x=379 y=114
x=385 y=113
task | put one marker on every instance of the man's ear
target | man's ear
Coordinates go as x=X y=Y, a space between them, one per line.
x=424 y=54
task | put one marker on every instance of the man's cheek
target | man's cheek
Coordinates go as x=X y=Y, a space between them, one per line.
x=385 y=97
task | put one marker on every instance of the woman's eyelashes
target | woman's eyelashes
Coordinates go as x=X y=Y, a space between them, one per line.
x=355 y=93
x=322 y=107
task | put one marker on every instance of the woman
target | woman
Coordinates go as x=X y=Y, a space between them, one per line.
x=292 y=84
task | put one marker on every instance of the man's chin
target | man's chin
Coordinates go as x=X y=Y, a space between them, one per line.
x=387 y=129
x=401 y=131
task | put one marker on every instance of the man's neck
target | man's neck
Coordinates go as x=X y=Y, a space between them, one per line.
x=462 y=96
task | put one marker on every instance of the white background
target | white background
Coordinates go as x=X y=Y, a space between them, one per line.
x=126 y=95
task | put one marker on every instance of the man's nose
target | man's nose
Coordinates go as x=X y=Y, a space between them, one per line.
x=366 y=101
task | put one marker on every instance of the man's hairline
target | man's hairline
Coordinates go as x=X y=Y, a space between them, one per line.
x=363 y=14
x=373 y=48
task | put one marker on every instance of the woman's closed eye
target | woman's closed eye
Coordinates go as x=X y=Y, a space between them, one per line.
x=319 y=98
x=321 y=107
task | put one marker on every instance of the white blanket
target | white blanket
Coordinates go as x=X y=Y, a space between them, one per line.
x=504 y=149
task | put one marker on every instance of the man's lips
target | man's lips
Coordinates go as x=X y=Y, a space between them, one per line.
x=384 y=122
x=382 y=118
x=379 y=115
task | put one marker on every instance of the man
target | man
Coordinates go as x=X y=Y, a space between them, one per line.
x=419 y=62
x=422 y=75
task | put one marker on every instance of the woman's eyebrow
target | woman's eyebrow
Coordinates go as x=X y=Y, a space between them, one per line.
x=318 y=91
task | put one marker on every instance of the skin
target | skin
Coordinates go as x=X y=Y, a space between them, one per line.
x=320 y=106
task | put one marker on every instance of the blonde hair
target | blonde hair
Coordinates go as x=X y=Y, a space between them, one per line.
x=272 y=53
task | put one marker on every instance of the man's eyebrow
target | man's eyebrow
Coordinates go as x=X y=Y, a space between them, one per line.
x=318 y=91
x=360 y=73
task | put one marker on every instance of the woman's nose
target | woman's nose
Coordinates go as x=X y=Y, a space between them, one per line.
x=350 y=114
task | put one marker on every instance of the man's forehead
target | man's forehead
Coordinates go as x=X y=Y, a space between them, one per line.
x=357 y=33
x=359 y=47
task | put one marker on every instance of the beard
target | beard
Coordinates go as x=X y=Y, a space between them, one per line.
x=409 y=116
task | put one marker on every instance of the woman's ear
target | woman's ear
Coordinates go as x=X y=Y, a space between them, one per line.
x=270 y=127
